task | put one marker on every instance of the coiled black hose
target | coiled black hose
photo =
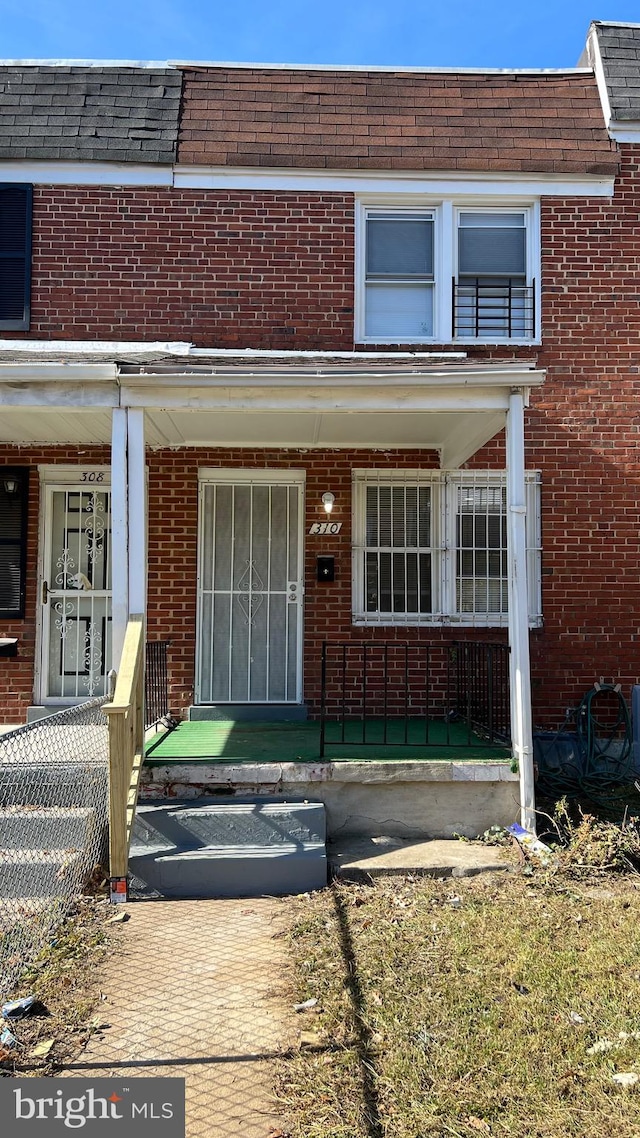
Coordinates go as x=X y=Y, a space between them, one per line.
x=598 y=756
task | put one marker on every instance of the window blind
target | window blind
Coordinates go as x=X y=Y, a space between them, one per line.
x=492 y=244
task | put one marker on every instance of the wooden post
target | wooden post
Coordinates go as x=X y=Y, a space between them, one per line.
x=118 y=793
x=126 y=753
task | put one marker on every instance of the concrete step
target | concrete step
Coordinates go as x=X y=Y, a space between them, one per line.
x=248 y=713
x=43 y=710
x=360 y=859
x=201 y=822
x=46 y=827
x=35 y=872
x=231 y=871
x=212 y=848
x=45 y=784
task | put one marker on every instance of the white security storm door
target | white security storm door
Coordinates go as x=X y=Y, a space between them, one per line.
x=250 y=590
x=76 y=592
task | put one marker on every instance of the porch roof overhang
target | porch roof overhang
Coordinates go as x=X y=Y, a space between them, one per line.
x=452 y=406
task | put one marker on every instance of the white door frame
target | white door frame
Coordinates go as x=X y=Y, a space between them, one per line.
x=231 y=476
x=53 y=477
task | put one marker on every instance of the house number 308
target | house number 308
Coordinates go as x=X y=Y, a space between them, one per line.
x=92 y=476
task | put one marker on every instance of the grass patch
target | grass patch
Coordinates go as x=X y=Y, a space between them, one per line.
x=65 y=978
x=467 y=1008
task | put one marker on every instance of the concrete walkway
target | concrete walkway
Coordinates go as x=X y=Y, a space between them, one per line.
x=362 y=859
x=195 y=990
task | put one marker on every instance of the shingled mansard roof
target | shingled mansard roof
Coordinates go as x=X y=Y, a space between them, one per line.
x=266 y=116
x=105 y=114
x=381 y=120
x=618 y=46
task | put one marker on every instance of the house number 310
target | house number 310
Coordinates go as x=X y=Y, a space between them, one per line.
x=325 y=527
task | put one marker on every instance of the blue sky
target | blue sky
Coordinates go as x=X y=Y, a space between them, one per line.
x=464 y=33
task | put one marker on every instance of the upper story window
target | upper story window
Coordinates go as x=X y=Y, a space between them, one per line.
x=447 y=273
x=493 y=299
x=15 y=256
x=399 y=275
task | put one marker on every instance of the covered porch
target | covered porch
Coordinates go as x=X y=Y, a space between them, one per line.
x=181 y=398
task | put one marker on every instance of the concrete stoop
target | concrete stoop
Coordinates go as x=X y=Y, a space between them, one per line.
x=361 y=859
x=41 y=828
x=215 y=848
x=47 y=823
x=35 y=872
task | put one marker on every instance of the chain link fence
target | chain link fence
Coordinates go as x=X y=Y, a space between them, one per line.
x=53 y=825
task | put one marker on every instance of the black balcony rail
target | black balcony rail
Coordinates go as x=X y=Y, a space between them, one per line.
x=156 y=682
x=426 y=696
x=493 y=309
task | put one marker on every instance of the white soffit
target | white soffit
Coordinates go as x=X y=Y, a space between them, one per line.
x=29 y=426
x=456 y=436
x=434 y=182
x=301 y=429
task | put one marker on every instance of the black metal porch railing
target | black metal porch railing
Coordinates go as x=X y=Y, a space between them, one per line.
x=390 y=693
x=156 y=683
x=501 y=310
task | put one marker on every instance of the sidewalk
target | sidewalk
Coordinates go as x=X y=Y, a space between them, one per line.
x=197 y=990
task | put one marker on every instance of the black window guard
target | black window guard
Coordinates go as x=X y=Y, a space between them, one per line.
x=484 y=310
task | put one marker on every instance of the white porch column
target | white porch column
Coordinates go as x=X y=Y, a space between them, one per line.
x=119 y=534
x=137 y=512
x=521 y=721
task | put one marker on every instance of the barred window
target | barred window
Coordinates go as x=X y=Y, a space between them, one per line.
x=431 y=547
x=398 y=556
x=481 y=549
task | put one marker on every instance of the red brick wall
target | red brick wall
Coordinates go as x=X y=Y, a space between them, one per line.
x=269 y=270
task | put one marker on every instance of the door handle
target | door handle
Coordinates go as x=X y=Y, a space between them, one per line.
x=45 y=592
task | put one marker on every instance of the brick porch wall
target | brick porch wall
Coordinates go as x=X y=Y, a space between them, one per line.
x=575 y=646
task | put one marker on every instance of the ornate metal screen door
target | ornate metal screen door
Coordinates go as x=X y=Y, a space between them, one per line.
x=76 y=593
x=250 y=593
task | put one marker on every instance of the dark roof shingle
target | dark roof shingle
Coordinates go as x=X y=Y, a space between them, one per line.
x=620 y=52
x=110 y=114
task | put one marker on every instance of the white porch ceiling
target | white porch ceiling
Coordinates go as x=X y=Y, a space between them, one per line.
x=450 y=434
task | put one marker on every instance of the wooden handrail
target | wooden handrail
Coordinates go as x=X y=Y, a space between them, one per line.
x=126 y=753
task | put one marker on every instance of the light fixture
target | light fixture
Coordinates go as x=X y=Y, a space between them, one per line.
x=11 y=486
x=327 y=500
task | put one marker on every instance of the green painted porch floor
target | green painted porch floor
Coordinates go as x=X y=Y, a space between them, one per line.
x=230 y=741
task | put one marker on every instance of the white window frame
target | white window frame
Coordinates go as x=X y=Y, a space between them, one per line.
x=444 y=484
x=446 y=213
